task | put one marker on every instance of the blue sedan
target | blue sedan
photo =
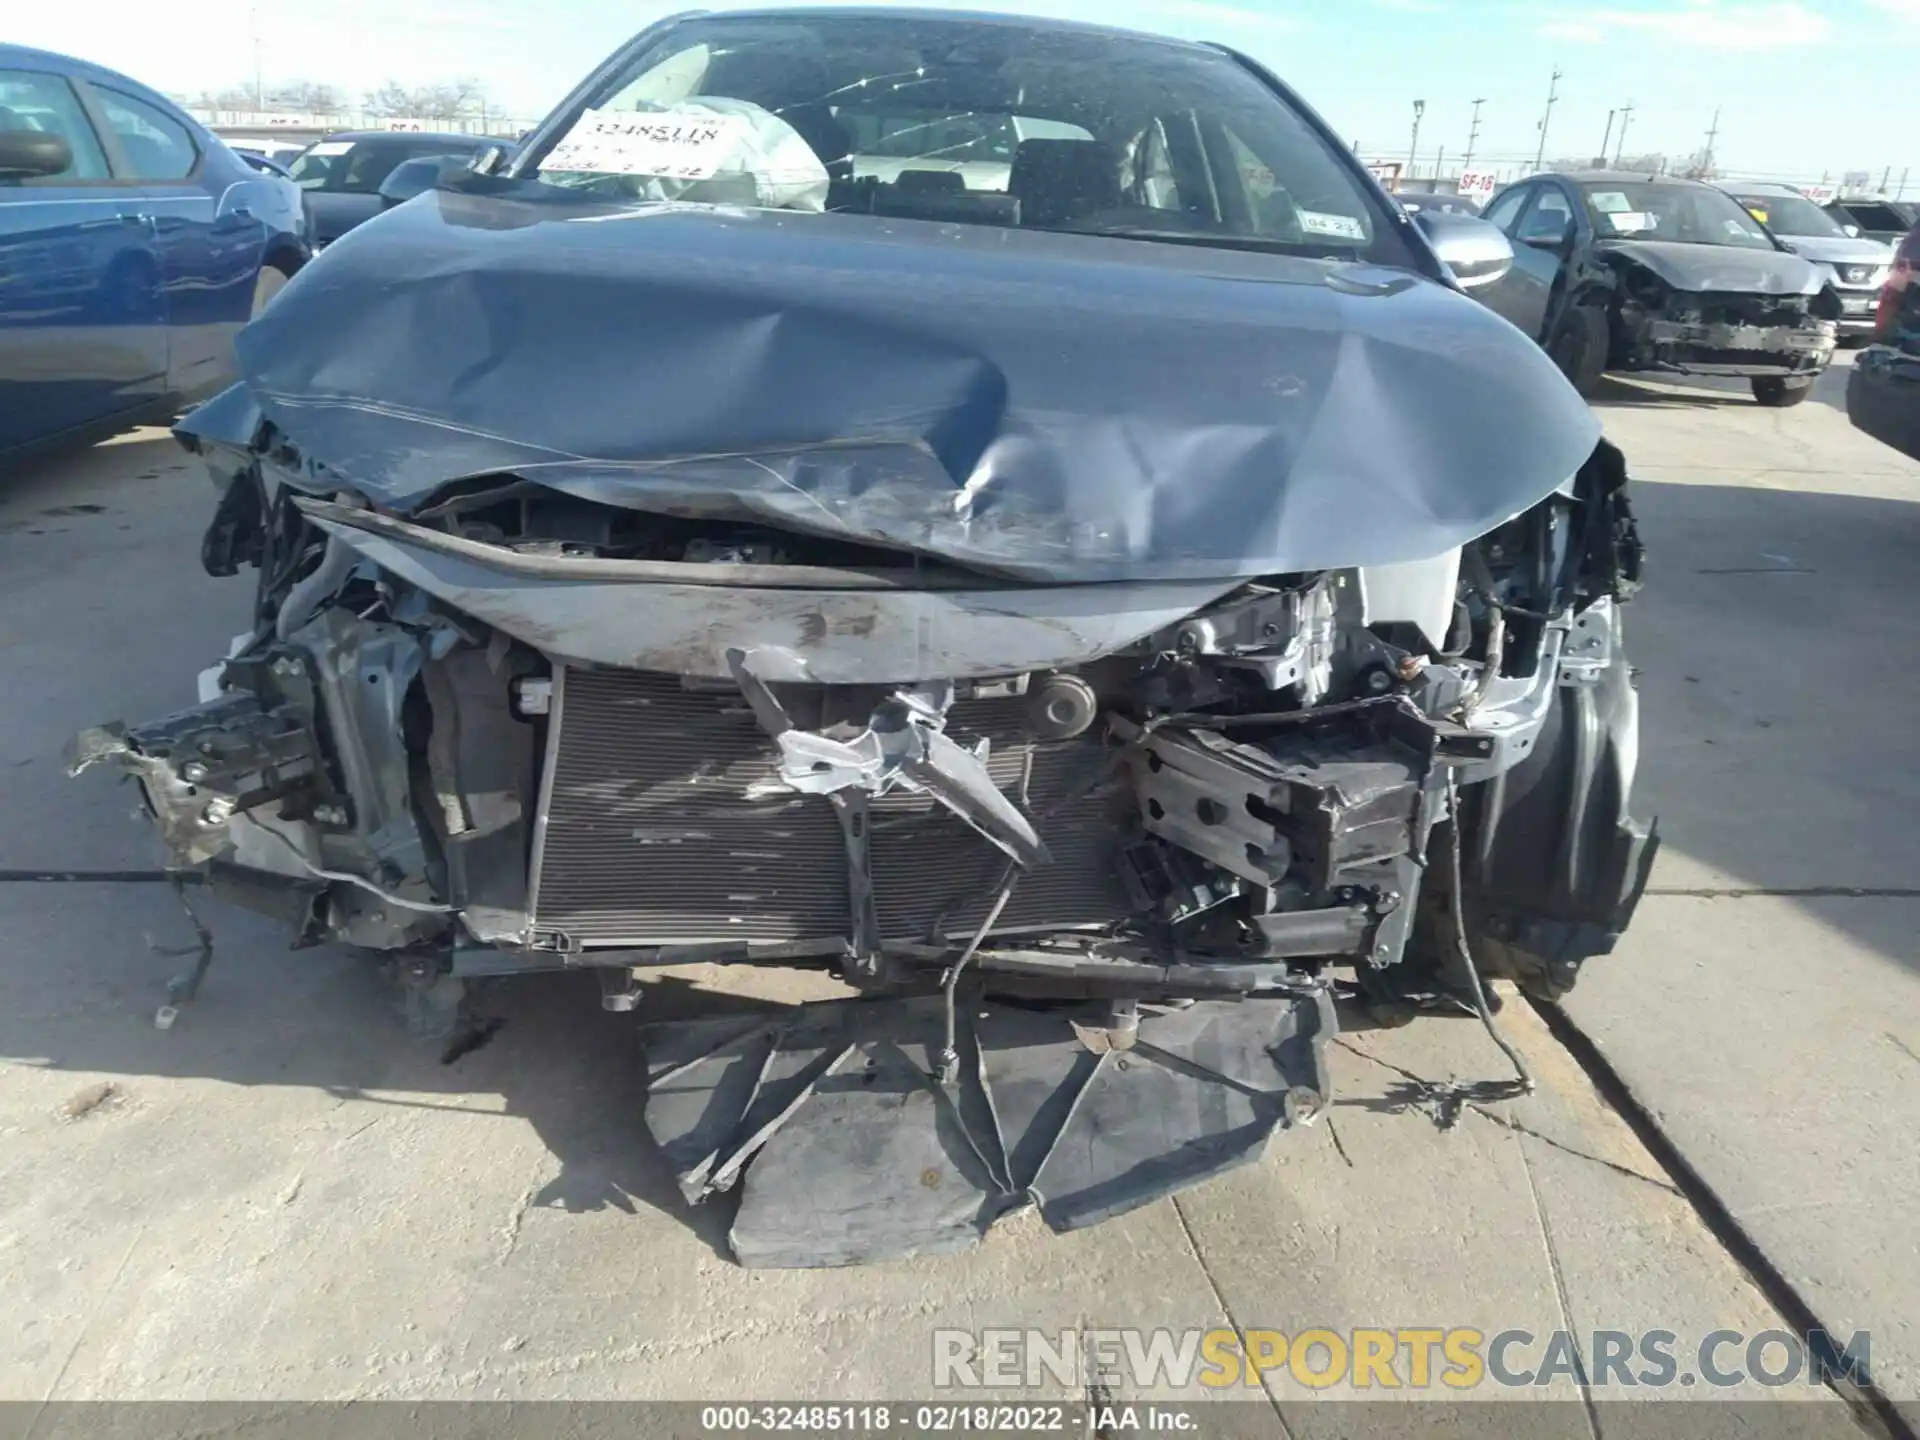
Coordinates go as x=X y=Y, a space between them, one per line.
x=133 y=245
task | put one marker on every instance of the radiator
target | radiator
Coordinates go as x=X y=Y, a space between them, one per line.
x=647 y=837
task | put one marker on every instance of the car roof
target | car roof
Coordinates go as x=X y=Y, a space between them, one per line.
x=437 y=136
x=1002 y=20
x=1622 y=177
x=25 y=57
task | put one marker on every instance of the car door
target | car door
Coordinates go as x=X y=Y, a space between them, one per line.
x=82 y=314
x=209 y=252
x=1512 y=295
x=1543 y=239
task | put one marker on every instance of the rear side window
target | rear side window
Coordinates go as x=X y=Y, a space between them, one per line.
x=157 y=146
x=34 y=100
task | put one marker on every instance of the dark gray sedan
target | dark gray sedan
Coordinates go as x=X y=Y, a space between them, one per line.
x=342 y=174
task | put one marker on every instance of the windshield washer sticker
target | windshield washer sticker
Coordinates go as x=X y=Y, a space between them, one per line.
x=1318 y=222
x=673 y=145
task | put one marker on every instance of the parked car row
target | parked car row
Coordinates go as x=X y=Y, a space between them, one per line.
x=133 y=245
x=1629 y=272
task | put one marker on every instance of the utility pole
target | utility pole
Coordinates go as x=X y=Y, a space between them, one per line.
x=1901 y=193
x=1608 y=136
x=1439 y=165
x=1713 y=133
x=1885 y=176
x=1626 y=114
x=1473 y=134
x=1419 y=109
x=259 y=88
x=1553 y=94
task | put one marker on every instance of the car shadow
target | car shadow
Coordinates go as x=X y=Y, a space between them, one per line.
x=334 y=1022
x=1616 y=392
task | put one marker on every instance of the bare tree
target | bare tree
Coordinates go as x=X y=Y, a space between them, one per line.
x=306 y=97
x=447 y=100
x=231 y=97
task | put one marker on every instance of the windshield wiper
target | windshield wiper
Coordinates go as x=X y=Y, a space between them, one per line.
x=1257 y=244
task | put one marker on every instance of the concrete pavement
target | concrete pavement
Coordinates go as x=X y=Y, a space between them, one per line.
x=1765 y=1008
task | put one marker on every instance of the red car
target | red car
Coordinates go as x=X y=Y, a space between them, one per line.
x=1883 y=393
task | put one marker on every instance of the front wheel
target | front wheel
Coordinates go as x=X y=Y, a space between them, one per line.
x=1578 y=346
x=1780 y=390
x=271 y=280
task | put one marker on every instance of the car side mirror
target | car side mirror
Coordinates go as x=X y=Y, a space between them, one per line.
x=417 y=176
x=1556 y=241
x=32 y=154
x=490 y=159
x=1478 y=253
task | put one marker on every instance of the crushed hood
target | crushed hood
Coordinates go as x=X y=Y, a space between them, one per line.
x=1045 y=407
x=1721 y=269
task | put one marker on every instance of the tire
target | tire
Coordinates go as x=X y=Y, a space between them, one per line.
x=266 y=285
x=1779 y=391
x=1578 y=345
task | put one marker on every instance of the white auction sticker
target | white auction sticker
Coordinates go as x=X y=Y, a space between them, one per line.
x=1318 y=222
x=675 y=145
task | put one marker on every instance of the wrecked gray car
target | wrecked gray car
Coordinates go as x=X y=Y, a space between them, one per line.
x=1622 y=272
x=1004 y=512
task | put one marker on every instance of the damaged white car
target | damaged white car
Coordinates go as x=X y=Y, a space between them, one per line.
x=1006 y=512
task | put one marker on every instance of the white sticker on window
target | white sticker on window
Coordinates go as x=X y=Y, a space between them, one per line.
x=1624 y=221
x=1318 y=222
x=1610 y=202
x=330 y=147
x=674 y=145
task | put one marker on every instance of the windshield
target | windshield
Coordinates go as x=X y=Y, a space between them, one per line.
x=972 y=121
x=1693 y=214
x=1790 y=215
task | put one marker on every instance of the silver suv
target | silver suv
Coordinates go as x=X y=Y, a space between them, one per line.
x=1856 y=268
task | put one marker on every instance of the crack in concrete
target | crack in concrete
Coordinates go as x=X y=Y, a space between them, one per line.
x=1560 y=1291
x=1220 y=1299
x=1802 y=892
x=1437 y=1093
x=86 y=1329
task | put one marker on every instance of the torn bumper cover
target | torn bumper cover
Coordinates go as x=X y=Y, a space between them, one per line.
x=1108 y=720
x=860 y=1152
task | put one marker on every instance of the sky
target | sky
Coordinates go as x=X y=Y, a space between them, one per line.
x=1803 y=87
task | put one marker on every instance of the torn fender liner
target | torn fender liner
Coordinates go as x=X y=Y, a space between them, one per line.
x=851 y=1149
x=1179 y=412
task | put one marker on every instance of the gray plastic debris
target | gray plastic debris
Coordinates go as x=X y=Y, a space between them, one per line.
x=848 y=1149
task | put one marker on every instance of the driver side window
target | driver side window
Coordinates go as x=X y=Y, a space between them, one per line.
x=1551 y=218
x=1504 y=211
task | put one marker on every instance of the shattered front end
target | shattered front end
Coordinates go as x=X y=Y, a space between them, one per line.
x=1099 y=757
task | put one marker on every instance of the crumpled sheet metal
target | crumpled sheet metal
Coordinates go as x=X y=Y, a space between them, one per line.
x=1721 y=268
x=1052 y=408
x=824 y=637
x=832 y=1120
